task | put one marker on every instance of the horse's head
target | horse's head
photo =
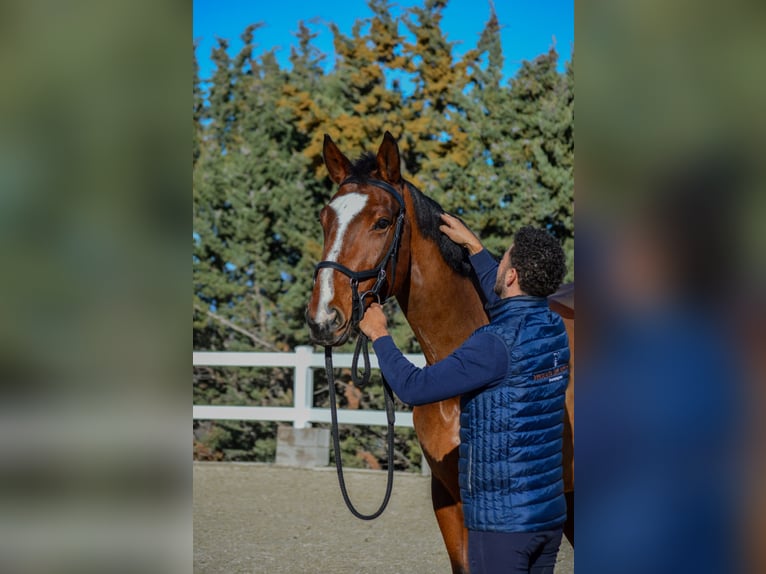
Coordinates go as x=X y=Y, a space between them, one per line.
x=363 y=226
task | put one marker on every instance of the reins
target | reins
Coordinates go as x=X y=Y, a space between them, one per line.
x=336 y=439
x=362 y=348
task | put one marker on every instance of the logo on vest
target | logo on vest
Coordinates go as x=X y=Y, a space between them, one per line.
x=552 y=375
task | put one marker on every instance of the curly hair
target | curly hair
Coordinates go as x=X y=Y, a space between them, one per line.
x=539 y=260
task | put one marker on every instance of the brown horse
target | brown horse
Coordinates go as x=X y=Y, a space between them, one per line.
x=436 y=290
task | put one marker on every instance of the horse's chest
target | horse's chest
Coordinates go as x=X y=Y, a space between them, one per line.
x=438 y=427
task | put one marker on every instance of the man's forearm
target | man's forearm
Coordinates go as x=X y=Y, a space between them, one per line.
x=481 y=360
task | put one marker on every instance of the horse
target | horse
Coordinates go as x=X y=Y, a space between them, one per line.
x=433 y=282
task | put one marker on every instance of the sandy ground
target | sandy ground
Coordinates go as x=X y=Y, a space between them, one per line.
x=262 y=518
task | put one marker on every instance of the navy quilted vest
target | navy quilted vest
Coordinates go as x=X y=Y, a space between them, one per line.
x=511 y=432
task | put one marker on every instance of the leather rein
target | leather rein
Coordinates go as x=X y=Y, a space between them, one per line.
x=358 y=308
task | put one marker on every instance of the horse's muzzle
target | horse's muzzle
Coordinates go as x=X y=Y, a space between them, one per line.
x=334 y=330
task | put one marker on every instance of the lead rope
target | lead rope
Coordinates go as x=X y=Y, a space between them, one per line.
x=362 y=348
x=361 y=344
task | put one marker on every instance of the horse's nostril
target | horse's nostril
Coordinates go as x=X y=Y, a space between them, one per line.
x=336 y=317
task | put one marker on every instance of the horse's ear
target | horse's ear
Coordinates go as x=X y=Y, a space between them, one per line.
x=388 y=160
x=337 y=164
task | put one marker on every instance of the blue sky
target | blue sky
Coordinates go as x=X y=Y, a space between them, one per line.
x=528 y=26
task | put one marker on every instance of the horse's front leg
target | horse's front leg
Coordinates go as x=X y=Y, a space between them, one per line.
x=449 y=515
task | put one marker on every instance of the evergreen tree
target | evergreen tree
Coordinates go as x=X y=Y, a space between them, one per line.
x=364 y=106
x=254 y=214
x=433 y=135
x=472 y=190
x=198 y=105
x=541 y=119
x=255 y=210
x=303 y=101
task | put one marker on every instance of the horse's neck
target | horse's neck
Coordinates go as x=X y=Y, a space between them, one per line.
x=442 y=307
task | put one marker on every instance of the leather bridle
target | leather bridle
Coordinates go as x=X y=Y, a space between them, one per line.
x=390 y=257
x=379 y=271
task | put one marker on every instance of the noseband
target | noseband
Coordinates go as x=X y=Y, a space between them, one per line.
x=379 y=271
x=358 y=309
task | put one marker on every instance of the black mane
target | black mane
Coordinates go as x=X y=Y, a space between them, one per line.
x=427 y=215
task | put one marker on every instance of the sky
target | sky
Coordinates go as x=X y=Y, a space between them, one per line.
x=529 y=27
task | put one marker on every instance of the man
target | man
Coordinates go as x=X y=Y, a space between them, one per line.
x=511 y=375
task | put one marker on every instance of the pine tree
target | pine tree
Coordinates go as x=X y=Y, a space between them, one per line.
x=198 y=106
x=363 y=104
x=254 y=222
x=302 y=98
x=433 y=134
x=541 y=120
x=259 y=208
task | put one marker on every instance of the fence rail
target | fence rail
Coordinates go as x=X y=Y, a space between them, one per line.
x=303 y=413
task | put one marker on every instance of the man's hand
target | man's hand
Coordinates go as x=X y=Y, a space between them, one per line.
x=374 y=323
x=456 y=230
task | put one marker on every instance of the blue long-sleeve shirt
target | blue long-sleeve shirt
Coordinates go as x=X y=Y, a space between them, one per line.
x=480 y=361
x=485 y=267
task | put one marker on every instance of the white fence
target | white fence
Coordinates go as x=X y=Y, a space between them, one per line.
x=303 y=360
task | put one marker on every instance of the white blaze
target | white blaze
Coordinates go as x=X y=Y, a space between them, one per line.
x=346 y=207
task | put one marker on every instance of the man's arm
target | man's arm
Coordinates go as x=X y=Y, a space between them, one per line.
x=480 y=361
x=483 y=263
x=485 y=267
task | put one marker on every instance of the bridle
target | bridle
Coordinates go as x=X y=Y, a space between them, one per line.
x=358 y=308
x=379 y=271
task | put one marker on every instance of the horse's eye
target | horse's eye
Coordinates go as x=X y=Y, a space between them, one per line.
x=382 y=223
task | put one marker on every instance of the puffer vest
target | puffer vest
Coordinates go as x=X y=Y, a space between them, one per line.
x=511 y=433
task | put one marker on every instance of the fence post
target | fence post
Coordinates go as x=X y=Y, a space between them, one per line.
x=304 y=386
